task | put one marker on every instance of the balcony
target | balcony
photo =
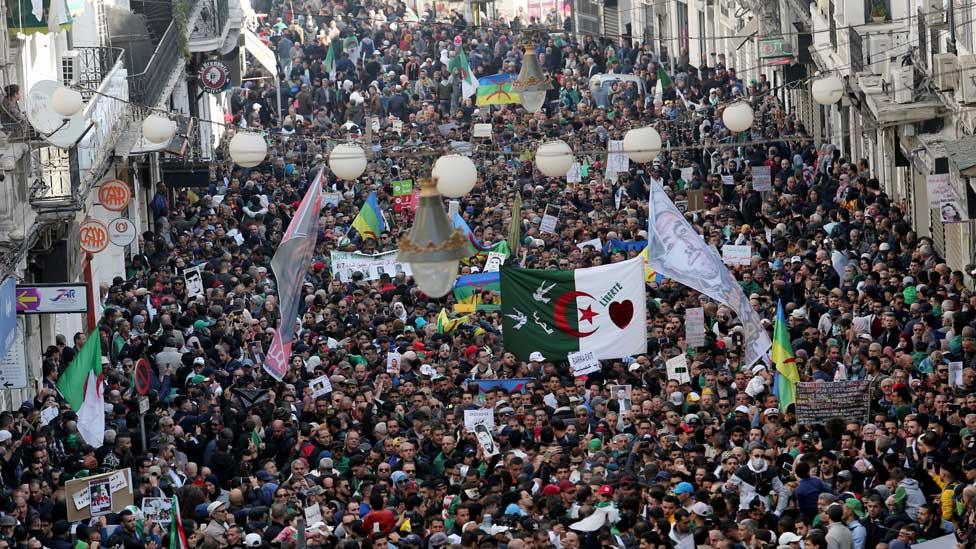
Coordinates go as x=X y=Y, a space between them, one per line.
x=66 y=176
x=217 y=27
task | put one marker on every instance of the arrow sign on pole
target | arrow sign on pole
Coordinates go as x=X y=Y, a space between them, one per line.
x=28 y=299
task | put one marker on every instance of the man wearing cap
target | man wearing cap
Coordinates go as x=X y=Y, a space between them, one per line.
x=853 y=514
x=217 y=527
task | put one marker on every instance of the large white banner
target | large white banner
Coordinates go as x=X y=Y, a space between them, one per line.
x=345 y=264
x=678 y=252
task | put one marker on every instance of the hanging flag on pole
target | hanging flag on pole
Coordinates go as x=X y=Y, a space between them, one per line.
x=289 y=265
x=786 y=374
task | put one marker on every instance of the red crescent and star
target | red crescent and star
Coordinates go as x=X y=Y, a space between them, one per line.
x=559 y=314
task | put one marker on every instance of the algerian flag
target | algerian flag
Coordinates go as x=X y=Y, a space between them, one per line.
x=599 y=309
x=330 y=62
x=662 y=77
x=352 y=47
x=81 y=387
x=469 y=84
x=177 y=536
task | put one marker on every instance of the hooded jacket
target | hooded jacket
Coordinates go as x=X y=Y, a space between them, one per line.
x=914 y=498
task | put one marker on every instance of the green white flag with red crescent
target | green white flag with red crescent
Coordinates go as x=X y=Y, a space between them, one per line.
x=599 y=309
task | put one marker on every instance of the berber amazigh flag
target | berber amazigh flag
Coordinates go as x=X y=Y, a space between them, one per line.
x=289 y=264
x=599 y=309
x=787 y=375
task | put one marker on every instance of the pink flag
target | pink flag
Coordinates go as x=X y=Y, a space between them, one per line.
x=289 y=264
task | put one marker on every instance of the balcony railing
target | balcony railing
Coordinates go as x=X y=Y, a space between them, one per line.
x=147 y=87
x=212 y=21
x=92 y=65
x=856 y=46
x=66 y=176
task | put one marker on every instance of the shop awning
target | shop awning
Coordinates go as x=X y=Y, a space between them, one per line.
x=962 y=153
x=750 y=30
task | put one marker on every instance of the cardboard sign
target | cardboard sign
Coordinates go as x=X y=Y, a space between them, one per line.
x=955 y=373
x=728 y=180
x=118 y=481
x=93 y=496
x=696 y=200
x=313 y=514
x=402 y=194
x=159 y=510
x=494 y=261
x=345 y=264
x=818 y=402
x=695 y=327
x=596 y=243
x=321 y=386
x=331 y=199
x=617 y=159
x=549 y=221
x=762 y=179
x=393 y=363
x=623 y=395
x=481 y=130
x=583 y=363
x=478 y=417
x=194 y=280
x=485 y=440
x=99 y=497
x=678 y=369
x=737 y=255
x=48 y=414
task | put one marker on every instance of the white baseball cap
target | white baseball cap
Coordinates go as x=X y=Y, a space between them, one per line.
x=252 y=540
x=536 y=356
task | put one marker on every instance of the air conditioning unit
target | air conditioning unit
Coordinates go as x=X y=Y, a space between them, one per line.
x=879 y=48
x=945 y=69
x=870 y=84
x=966 y=87
x=936 y=15
x=904 y=83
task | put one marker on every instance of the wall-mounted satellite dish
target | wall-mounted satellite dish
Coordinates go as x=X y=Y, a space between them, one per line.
x=49 y=123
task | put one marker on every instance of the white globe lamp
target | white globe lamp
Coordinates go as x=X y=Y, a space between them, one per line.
x=347 y=161
x=827 y=90
x=554 y=158
x=66 y=102
x=158 y=129
x=738 y=116
x=455 y=175
x=248 y=149
x=642 y=144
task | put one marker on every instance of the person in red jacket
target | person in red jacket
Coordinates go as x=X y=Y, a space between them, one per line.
x=378 y=516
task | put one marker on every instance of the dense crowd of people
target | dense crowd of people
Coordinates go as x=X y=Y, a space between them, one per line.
x=385 y=459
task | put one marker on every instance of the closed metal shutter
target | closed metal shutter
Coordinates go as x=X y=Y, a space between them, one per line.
x=611 y=24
